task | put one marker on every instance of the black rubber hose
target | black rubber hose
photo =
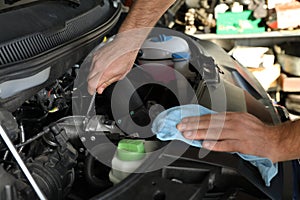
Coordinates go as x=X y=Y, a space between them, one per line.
x=90 y=176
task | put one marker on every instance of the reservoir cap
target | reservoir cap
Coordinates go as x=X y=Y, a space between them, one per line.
x=130 y=150
x=161 y=38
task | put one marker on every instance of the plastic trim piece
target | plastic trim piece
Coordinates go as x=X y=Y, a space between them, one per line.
x=10 y=88
x=35 y=44
x=60 y=59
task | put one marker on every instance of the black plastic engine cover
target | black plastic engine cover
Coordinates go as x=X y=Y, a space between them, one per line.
x=47 y=37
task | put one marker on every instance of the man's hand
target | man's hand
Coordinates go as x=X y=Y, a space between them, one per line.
x=110 y=63
x=237 y=132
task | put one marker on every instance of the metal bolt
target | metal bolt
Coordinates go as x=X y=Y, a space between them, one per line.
x=76 y=66
x=93 y=138
x=176 y=180
x=83 y=139
x=211 y=181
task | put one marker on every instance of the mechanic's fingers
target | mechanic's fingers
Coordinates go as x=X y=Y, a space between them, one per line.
x=93 y=82
x=217 y=116
x=101 y=80
x=222 y=145
x=201 y=122
x=98 y=65
x=94 y=77
x=102 y=85
x=208 y=134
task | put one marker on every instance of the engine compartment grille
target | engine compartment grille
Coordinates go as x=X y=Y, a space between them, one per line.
x=32 y=45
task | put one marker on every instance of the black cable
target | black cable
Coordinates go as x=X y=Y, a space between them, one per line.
x=40 y=134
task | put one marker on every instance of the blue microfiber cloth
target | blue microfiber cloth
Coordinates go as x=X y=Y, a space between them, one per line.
x=164 y=126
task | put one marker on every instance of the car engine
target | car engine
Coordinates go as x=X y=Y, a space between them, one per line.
x=52 y=147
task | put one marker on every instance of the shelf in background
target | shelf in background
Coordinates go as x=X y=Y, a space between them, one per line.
x=253 y=39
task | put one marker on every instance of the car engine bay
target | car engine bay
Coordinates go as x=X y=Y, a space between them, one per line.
x=69 y=151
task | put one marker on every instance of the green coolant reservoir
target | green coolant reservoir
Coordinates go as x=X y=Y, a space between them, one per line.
x=130 y=154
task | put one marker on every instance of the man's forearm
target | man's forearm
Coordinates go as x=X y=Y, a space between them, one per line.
x=145 y=13
x=289 y=147
x=140 y=20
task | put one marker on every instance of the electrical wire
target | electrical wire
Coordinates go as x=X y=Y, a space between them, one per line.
x=40 y=134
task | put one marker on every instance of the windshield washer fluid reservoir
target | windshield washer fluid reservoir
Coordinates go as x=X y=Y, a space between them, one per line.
x=172 y=51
